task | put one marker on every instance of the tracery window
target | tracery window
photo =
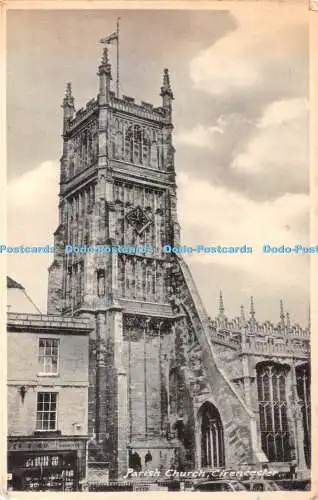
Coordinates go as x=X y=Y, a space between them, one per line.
x=212 y=437
x=137 y=145
x=303 y=391
x=272 y=397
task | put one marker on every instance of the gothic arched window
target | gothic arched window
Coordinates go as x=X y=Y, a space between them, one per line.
x=212 y=437
x=303 y=391
x=137 y=145
x=272 y=398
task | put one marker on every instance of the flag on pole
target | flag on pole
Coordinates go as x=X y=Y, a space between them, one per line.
x=109 y=39
x=114 y=37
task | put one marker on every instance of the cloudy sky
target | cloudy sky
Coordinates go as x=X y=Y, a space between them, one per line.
x=240 y=81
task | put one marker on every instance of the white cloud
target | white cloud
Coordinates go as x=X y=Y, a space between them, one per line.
x=279 y=143
x=238 y=59
x=31 y=221
x=284 y=111
x=201 y=136
x=34 y=187
x=217 y=216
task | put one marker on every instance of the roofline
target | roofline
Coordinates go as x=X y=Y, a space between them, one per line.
x=46 y=322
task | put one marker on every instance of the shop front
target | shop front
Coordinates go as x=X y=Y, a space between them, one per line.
x=46 y=464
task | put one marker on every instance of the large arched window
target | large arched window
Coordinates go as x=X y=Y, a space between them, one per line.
x=137 y=145
x=212 y=437
x=303 y=391
x=272 y=397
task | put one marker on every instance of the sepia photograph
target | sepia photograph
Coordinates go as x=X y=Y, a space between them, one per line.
x=158 y=249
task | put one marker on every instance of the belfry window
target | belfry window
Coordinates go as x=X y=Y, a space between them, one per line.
x=272 y=397
x=137 y=145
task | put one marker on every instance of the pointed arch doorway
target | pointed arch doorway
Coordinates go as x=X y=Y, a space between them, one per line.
x=211 y=437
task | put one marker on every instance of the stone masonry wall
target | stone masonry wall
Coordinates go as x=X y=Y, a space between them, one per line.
x=236 y=417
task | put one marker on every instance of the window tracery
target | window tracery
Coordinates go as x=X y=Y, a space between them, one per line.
x=273 y=406
x=212 y=437
x=137 y=145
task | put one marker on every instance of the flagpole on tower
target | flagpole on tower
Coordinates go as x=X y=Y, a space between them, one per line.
x=114 y=37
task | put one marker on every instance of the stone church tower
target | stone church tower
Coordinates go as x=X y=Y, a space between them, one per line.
x=159 y=393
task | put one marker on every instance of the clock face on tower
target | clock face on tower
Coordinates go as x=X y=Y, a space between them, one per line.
x=138 y=219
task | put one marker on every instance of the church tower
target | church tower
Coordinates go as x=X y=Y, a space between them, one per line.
x=156 y=394
x=118 y=190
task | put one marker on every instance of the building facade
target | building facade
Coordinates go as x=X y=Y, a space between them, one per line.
x=47 y=401
x=167 y=385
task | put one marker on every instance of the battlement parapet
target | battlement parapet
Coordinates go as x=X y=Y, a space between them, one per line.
x=232 y=338
x=83 y=113
x=267 y=328
x=126 y=104
x=287 y=347
x=143 y=110
x=261 y=345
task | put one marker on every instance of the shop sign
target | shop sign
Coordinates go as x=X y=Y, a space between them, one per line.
x=54 y=444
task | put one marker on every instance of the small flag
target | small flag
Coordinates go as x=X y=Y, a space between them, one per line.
x=109 y=39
